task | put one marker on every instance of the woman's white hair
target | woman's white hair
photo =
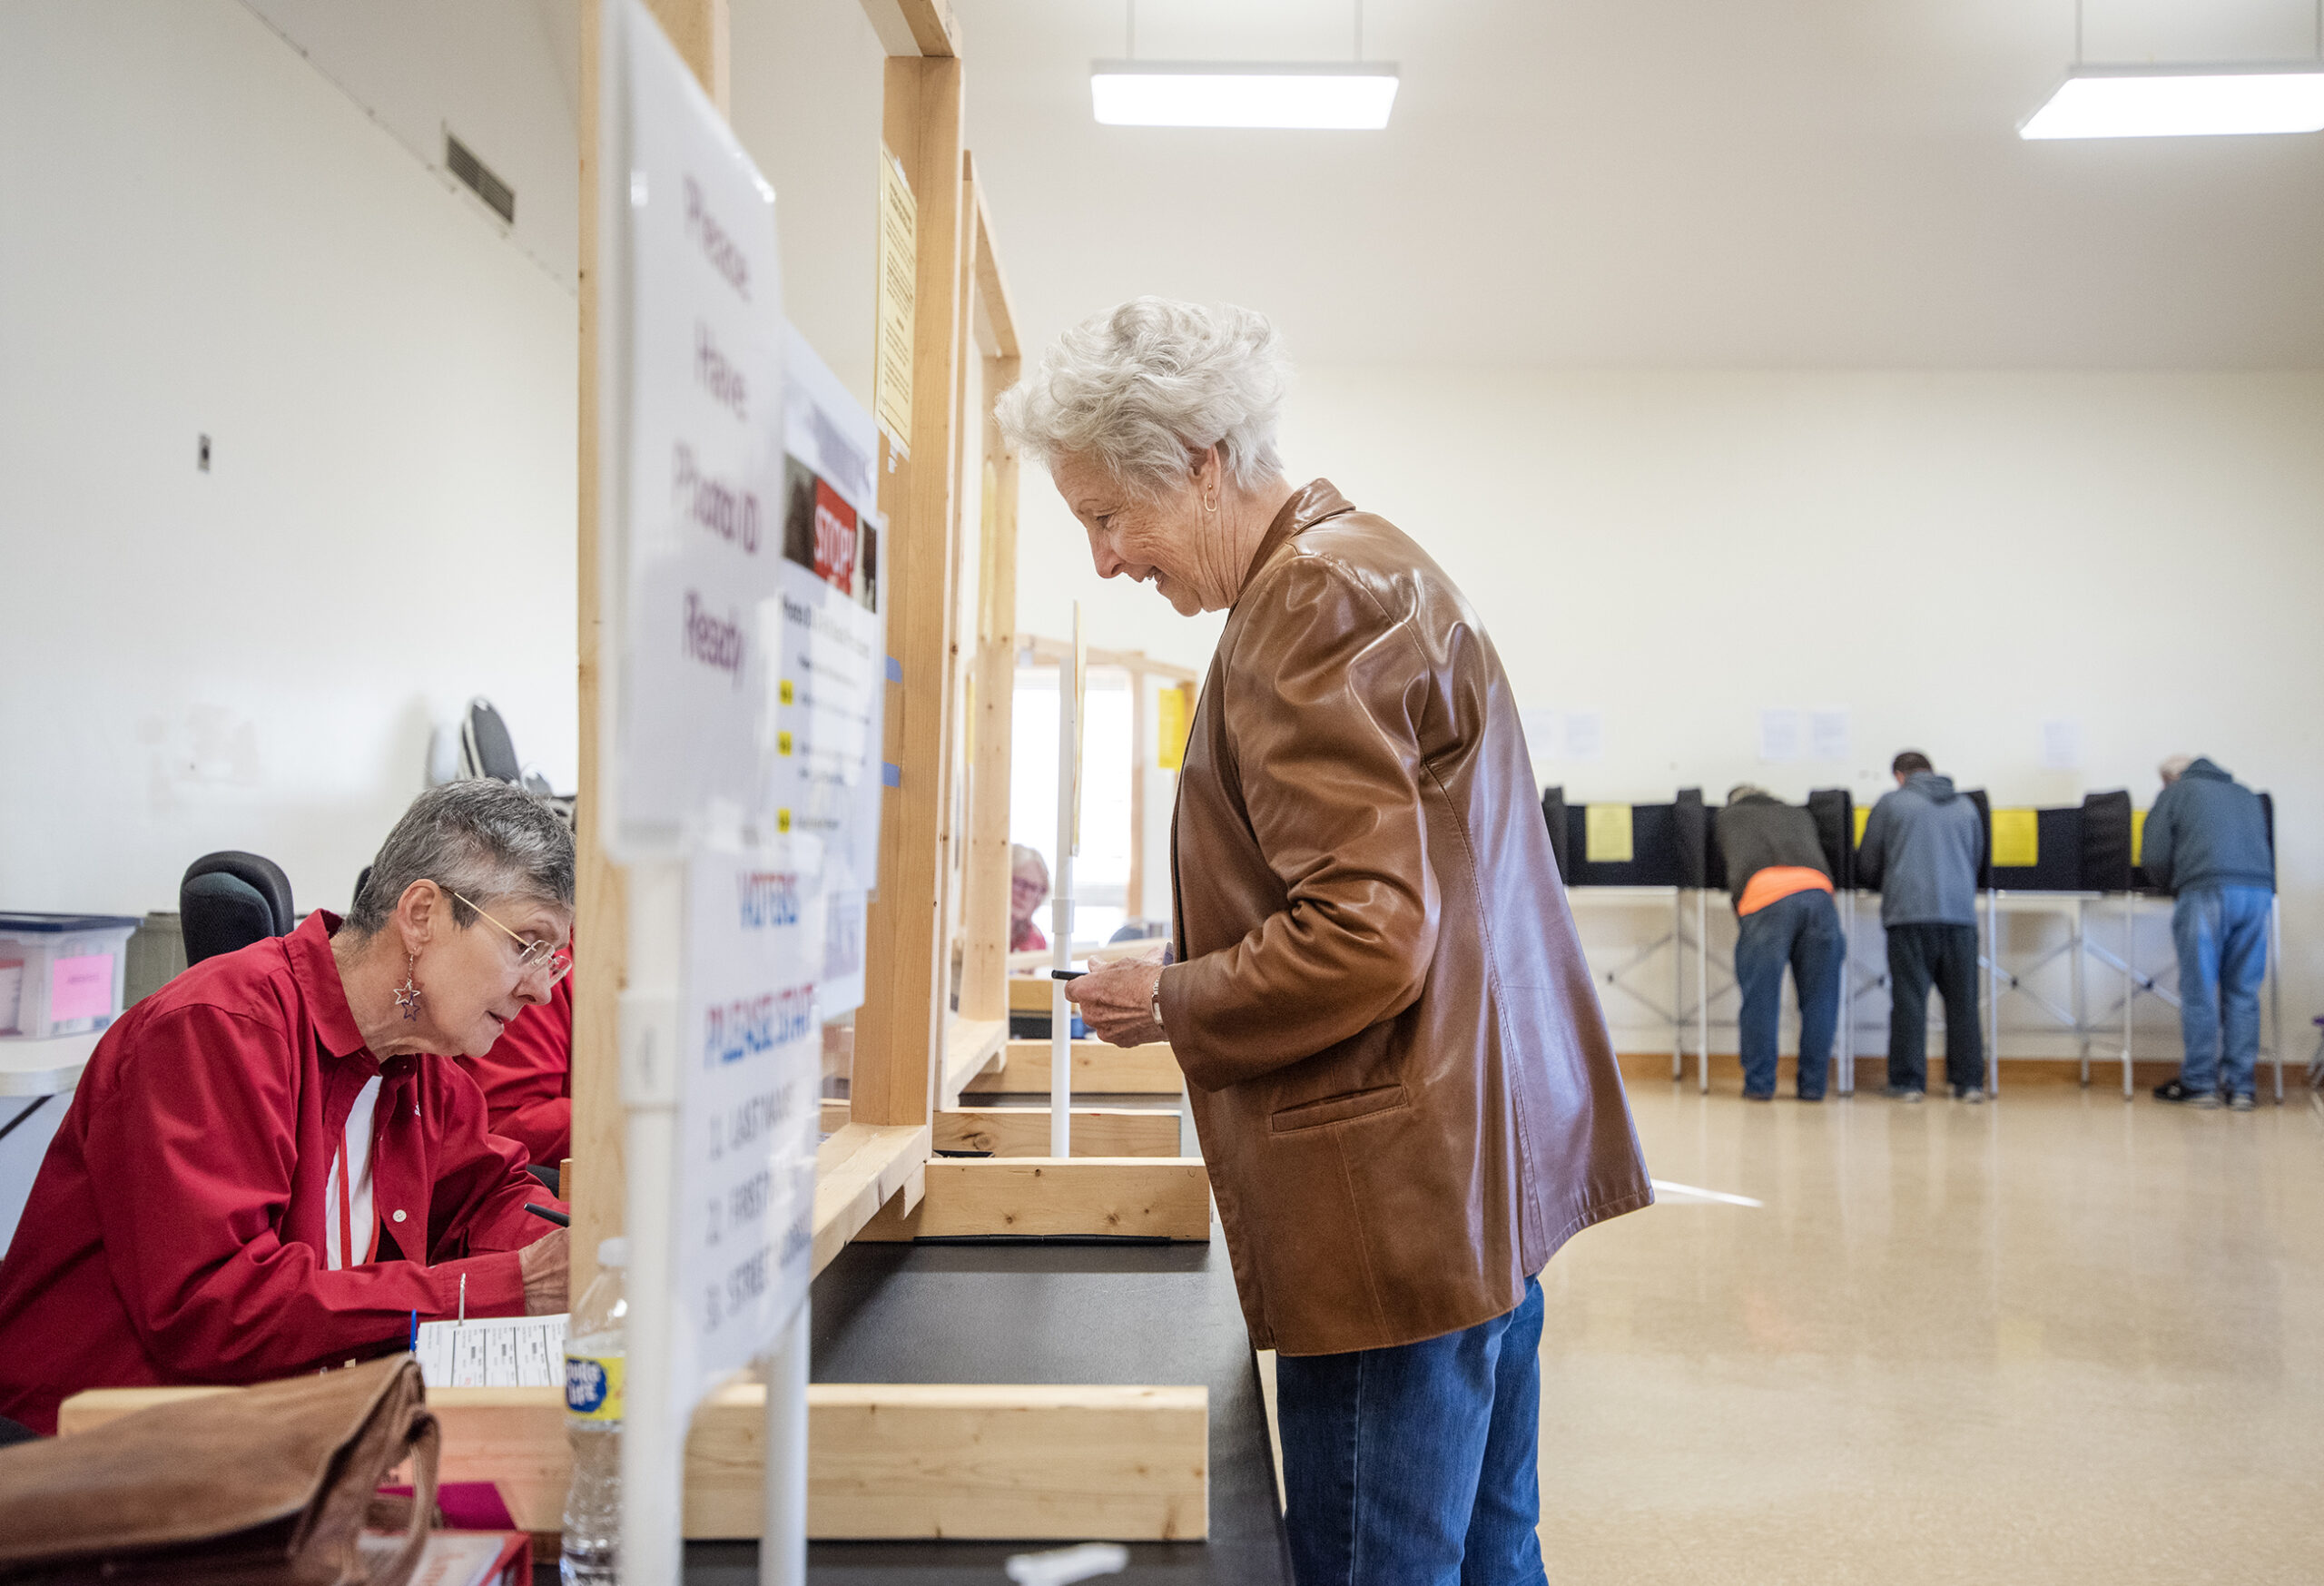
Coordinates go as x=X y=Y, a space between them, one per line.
x=1144 y=387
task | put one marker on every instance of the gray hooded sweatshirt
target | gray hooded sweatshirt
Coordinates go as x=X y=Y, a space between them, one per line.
x=1922 y=847
x=2207 y=830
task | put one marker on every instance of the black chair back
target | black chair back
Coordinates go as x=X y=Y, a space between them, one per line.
x=230 y=900
x=485 y=748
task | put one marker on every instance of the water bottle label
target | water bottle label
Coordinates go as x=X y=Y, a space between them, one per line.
x=593 y=1387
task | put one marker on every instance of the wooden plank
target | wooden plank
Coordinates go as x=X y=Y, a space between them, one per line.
x=1049 y=652
x=1038 y=1462
x=1024 y=1131
x=1045 y=1197
x=601 y=933
x=914 y=27
x=1098 y=1070
x=1029 y=993
x=834 y=1116
x=993 y=287
x=984 y=962
x=859 y=1171
x=898 y=1032
x=699 y=31
x=970 y=1047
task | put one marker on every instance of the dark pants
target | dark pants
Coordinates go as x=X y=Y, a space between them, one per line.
x=1804 y=931
x=1946 y=954
x=1417 y=1465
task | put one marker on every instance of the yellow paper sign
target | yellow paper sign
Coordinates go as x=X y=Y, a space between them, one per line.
x=1176 y=719
x=899 y=293
x=2138 y=836
x=1607 y=836
x=1863 y=813
x=2017 y=839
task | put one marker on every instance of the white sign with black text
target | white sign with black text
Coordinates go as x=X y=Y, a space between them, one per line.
x=693 y=564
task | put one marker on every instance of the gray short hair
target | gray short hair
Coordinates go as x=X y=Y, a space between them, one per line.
x=483 y=837
x=2175 y=767
x=1141 y=386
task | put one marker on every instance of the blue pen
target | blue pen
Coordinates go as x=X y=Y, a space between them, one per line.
x=415 y=1333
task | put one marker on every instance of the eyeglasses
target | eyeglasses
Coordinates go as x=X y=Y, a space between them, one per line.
x=532 y=954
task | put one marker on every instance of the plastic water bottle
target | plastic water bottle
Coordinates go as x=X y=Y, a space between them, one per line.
x=596 y=1355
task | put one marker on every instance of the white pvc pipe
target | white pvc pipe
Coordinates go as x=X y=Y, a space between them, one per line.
x=653 y=1462
x=1061 y=915
x=782 y=1541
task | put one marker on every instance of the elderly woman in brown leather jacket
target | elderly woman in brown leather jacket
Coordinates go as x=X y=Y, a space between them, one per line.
x=1399 y=1069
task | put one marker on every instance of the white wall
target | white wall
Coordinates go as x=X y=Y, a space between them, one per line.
x=1955 y=558
x=200 y=233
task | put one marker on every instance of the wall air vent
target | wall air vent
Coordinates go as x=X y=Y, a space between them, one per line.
x=497 y=195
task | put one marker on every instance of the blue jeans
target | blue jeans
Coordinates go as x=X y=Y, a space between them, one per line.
x=1417 y=1465
x=1804 y=931
x=2221 y=935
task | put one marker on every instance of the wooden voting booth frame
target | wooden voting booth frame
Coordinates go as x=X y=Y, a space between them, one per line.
x=944 y=853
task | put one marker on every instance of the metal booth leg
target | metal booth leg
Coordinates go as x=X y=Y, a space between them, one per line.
x=1702 y=984
x=2276 y=986
x=1678 y=992
x=2081 y=994
x=2130 y=981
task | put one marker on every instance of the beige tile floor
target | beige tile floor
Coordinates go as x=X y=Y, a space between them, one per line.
x=2056 y=1339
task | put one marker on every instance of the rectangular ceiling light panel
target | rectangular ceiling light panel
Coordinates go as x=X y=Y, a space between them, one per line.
x=1354 y=98
x=2181 y=102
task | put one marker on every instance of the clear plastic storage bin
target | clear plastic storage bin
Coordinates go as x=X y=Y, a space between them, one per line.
x=61 y=974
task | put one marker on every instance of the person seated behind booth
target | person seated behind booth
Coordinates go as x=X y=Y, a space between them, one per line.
x=1922 y=848
x=1029 y=889
x=526 y=1079
x=2206 y=839
x=270 y=1165
x=1782 y=888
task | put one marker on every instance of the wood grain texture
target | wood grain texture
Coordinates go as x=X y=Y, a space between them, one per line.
x=1043 y=1198
x=1024 y=1131
x=1098 y=1070
x=1041 y=1462
x=970 y=1047
x=857 y=1170
x=899 y=1031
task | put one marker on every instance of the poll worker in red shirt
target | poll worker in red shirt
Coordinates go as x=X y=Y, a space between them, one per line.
x=271 y=1164
x=527 y=1079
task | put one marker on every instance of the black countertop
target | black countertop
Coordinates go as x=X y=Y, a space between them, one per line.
x=1045 y=1313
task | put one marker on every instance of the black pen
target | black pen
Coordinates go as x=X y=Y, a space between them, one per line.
x=559 y=1218
x=1066 y=974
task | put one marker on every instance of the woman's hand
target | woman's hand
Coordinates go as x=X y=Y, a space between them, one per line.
x=1116 y=1000
x=543 y=1263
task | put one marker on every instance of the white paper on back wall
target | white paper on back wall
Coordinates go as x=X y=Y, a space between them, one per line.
x=1828 y=737
x=2062 y=744
x=1778 y=737
x=1585 y=735
x=1541 y=725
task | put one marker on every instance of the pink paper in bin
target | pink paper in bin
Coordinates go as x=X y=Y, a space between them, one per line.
x=81 y=988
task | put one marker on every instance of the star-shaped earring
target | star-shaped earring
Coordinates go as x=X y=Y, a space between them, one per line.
x=407 y=994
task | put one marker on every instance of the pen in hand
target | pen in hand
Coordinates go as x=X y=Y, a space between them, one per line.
x=548 y=1215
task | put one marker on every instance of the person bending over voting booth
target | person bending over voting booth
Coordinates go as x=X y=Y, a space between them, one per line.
x=2206 y=840
x=271 y=1164
x=1922 y=847
x=1782 y=887
x=1404 y=1087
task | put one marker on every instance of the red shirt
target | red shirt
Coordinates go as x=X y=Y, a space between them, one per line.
x=527 y=1078
x=176 y=1231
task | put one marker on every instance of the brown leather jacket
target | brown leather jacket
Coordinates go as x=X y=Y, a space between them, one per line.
x=1406 y=1091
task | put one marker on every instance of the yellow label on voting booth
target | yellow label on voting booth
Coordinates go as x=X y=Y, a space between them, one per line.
x=593 y=1387
x=1171 y=726
x=1863 y=813
x=2017 y=839
x=1607 y=836
x=2138 y=836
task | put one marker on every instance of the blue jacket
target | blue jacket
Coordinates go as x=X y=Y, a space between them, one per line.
x=2207 y=830
x=1922 y=847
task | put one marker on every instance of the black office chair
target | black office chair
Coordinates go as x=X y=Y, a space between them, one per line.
x=230 y=900
x=485 y=748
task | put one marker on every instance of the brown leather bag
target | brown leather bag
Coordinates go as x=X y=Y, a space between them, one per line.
x=263 y=1484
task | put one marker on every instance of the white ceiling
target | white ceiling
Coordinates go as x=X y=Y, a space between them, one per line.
x=1652 y=183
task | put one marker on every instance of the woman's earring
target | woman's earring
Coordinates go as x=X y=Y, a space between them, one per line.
x=407 y=994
